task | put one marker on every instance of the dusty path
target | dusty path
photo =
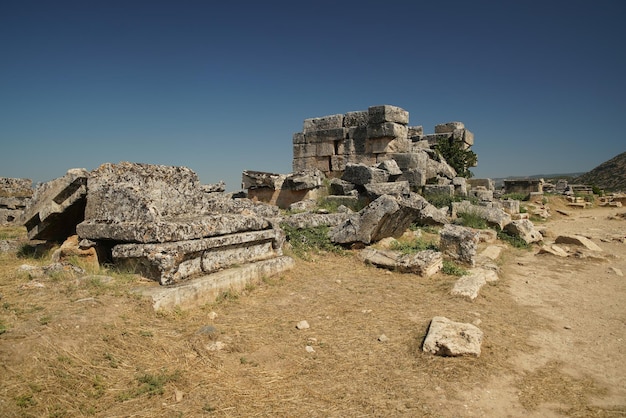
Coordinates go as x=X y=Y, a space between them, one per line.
x=580 y=361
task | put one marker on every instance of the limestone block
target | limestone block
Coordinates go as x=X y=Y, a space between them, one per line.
x=415 y=132
x=390 y=166
x=450 y=339
x=411 y=160
x=206 y=289
x=469 y=285
x=361 y=174
x=488 y=184
x=386 y=113
x=382 y=218
x=495 y=217
x=421 y=211
x=386 y=145
x=459 y=243
x=304 y=150
x=554 y=250
x=388 y=130
x=323 y=123
x=168 y=230
x=415 y=177
x=173 y=262
x=525 y=230
x=328 y=148
x=460 y=186
x=312 y=220
x=304 y=180
x=309 y=163
x=70 y=249
x=298 y=138
x=253 y=179
x=396 y=188
x=577 y=240
x=510 y=206
x=468 y=137
x=448 y=127
x=482 y=194
x=359 y=118
x=423 y=263
x=340 y=187
x=57 y=207
x=15 y=187
x=327 y=135
x=337 y=163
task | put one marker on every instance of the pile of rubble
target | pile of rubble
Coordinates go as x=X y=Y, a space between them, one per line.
x=14 y=196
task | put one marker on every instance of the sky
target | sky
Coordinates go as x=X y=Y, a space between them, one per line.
x=221 y=87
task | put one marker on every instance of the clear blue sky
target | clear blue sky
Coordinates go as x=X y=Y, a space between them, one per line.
x=221 y=87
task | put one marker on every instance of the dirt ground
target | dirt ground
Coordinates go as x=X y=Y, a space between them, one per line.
x=554 y=340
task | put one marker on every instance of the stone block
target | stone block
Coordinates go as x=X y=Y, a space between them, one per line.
x=304 y=180
x=469 y=285
x=254 y=179
x=387 y=130
x=495 y=217
x=15 y=187
x=337 y=163
x=387 y=113
x=448 y=127
x=468 y=137
x=415 y=132
x=390 y=166
x=436 y=189
x=488 y=184
x=361 y=174
x=451 y=339
x=578 y=240
x=359 y=118
x=415 y=177
x=327 y=135
x=323 y=123
x=304 y=150
x=340 y=187
x=396 y=188
x=386 y=145
x=410 y=160
x=309 y=163
x=525 y=230
x=298 y=138
x=57 y=207
x=423 y=263
x=459 y=243
x=511 y=206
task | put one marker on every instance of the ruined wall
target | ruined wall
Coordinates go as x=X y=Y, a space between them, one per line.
x=369 y=137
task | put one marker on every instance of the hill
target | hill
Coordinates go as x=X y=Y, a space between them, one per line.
x=610 y=175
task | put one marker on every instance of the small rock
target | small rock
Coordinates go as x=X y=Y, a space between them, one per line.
x=303 y=325
x=613 y=269
x=32 y=285
x=216 y=346
x=207 y=330
x=178 y=395
x=567 y=327
x=309 y=349
x=212 y=315
x=383 y=338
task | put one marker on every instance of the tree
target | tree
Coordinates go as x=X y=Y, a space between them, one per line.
x=456 y=156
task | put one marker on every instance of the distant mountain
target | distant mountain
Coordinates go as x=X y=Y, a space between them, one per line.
x=610 y=175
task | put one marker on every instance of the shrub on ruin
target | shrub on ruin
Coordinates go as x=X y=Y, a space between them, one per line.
x=471 y=220
x=452 y=269
x=414 y=246
x=306 y=240
x=456 y=156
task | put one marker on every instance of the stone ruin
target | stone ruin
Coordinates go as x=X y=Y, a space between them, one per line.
x=160 y=222
x=364 y=155
x=14 y=197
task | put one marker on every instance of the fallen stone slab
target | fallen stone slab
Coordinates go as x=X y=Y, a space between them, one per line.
x=492 y=252
x=553 y=250
x=423 y=263
x=174 y=262
x=524 y=229
x=459 y=243
x=452 y=339
x=312 y=220
x=396 y=188
x=469 y=285
x=207 y=289
x=168 y=230
x=57 y=207
x=423 y=213
x=577 y=240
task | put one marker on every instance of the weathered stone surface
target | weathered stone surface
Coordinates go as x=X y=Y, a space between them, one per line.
x=390 y=166
x=448 y=127
x=358 y=118
x=469 y=285
x=340 y=187
x=459 y=243
x=510 y=206
x=577 y=240
x=206 y=289
x=422 y=212
x=493 y=216
x=70 y=250
x=416 y=132
x=382 y=218
x=15 y=187
x=488 y=184
x=225 y=203
x=436 y=189
x=396 y=188
x=460 y=186
x=553 y=250
x=423 y=263
x=306 y=205
x=323 y=123
x=313 y=220
x=219 y=187
x=304 y=180
x=387 y=113
x=173 y=262
x=415 y=177
x=388 y=144
x=168 y=230
x=252 y=179
x=524 y=229
x=492 y=252
x=360 y=174
x=57 y=207
x=450 y=339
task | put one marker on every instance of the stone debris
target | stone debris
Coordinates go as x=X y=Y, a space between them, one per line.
x=577 y=240
x=451 y=339
x=460 y=243
x=383 y=338
x=492 y=252
x=71 y=249
x=525 y=230
x=303 y=325
x=616 y=271
x=15 y=195
x=553 y=250
x=57 y=206
x=423 y=263
x=469 y=285
x=495 y=216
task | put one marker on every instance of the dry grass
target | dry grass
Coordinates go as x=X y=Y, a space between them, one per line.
x=90 y=347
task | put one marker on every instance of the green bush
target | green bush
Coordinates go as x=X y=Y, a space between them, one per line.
x=414 y=246
x=515 y=196
x=306 y=240
x=458 y=158
x=452 y=269
x=472 y=220
x=514 y=241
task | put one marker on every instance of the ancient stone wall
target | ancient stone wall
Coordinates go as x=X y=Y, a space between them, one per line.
x=14 y=197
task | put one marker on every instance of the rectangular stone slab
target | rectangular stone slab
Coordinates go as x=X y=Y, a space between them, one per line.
x=174 y=262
